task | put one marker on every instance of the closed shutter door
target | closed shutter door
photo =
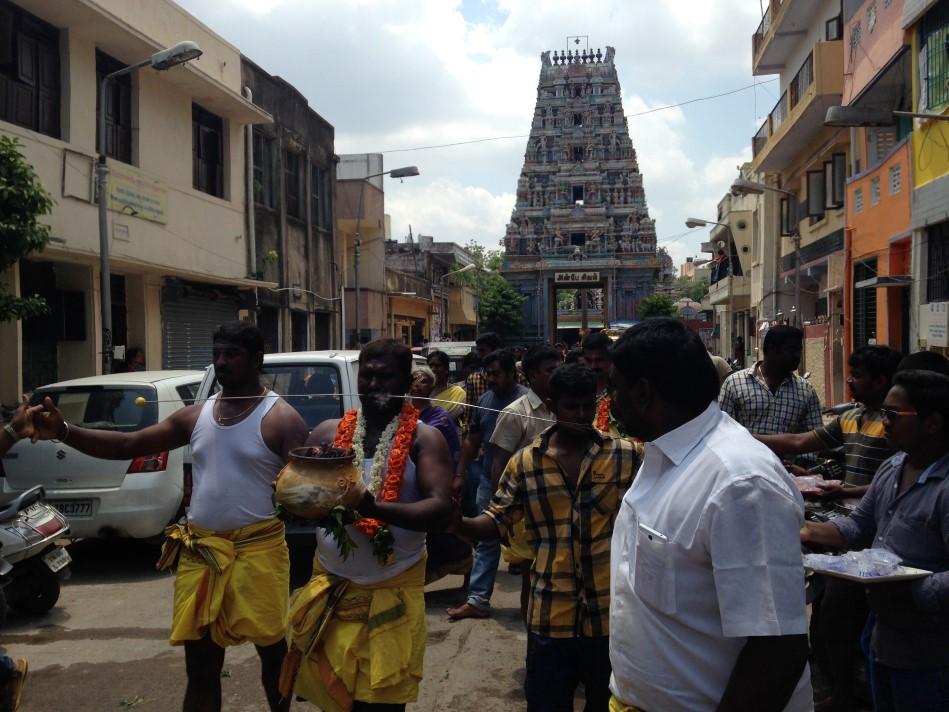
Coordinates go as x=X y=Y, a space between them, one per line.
x=188 y=324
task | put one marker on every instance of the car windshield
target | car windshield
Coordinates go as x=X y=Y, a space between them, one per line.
x=105 y=407
x=314 y=390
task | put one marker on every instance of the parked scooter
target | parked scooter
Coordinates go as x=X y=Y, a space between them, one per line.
x=31 y=562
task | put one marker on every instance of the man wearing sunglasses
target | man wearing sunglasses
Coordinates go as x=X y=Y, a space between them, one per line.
x=906 y=510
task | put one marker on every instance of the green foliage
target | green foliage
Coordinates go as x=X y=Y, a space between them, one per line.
x=692 y=290
x=500 y=303
x=656 y=305
x=22 y=201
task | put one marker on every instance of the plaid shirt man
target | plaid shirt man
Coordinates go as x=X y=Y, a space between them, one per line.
x=569 y=531
x=476 y=385
x=793 y=408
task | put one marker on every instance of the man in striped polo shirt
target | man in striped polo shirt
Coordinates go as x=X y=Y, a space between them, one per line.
x=838 y=617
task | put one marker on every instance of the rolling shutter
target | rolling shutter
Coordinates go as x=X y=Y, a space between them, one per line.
x=189 y=319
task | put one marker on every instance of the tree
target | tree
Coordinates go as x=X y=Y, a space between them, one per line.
x=500 y=303
x=656 y=305
x=691 y=289
x=22 y=201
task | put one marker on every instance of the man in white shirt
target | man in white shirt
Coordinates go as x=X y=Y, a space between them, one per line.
x=707 y=588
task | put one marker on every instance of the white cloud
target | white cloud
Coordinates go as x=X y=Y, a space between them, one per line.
x=392 y=74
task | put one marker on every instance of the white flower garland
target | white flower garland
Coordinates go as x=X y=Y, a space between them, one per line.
x=376 y=475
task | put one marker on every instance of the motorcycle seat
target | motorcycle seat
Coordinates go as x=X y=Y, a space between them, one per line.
x=11 y=503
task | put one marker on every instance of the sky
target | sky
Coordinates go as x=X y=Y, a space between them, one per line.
x=392 y=75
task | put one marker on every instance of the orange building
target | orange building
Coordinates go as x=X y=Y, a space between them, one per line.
x=878 y=237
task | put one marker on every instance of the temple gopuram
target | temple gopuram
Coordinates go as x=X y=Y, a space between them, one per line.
x=580 y=244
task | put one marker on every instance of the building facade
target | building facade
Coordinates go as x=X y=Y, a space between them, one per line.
x=580 y=244
x=877 y=73
x=927 y=22
x=293 y=182
x=805 y=163
x=176 y=196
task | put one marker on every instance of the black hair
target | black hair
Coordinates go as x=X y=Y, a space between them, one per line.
x=504 y=358
x=876 y=360
x=597 y=341
x=489 y=339
x=778 y=336
x=388 y=348
x=439 y=356
x=471 y=360
x=537 y=356
x=925 y=361
x=927 y=391
x=241 y=333
x=573 y=380
x=574 y=355
x=132 y=352
x=672 y=357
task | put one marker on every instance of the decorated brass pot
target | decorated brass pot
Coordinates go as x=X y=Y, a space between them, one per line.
x=311 y=484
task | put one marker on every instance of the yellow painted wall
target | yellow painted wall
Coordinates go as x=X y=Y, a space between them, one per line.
x=930 y=138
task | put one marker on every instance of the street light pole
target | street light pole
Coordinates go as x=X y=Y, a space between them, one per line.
x=165 y=59
x=405 y=172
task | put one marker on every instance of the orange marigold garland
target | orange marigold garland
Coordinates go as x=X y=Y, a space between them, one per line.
x=374 y=529
x=603 y=414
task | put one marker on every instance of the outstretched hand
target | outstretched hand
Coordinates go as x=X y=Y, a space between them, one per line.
x=48 y=423
x=22 y=421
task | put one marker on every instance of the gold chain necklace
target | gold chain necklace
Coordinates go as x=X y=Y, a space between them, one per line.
x=223 y=418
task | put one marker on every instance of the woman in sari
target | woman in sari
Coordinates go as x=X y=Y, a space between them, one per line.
x=447 y=554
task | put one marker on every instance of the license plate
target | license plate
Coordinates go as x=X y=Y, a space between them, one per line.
x=57 y=559
x=74 y=508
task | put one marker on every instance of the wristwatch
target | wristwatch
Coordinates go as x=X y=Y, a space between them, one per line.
x=8 y=429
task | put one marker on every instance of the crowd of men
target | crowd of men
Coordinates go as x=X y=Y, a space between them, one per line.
x=640 y=491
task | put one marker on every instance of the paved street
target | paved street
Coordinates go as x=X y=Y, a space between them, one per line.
x=104 y=645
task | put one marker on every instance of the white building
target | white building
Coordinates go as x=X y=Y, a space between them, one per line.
x=177 y=219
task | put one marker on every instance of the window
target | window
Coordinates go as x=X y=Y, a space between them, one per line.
x=880 y=142
x=858 y=201
x=937 y=263
x=788 y=222
x=933 y=59
x=322 y=209
x=578 y=153
x=207 y=151
x=29 y=71
x=840 y=178
x=833 y=29
x=293 y=175
x=263 y=170
x=815 y=194
x=896 y=179
x=577 y=193
x=875 y=190
x=864 y=303
x=118 y=109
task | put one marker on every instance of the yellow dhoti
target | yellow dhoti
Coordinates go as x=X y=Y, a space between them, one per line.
x=356 y=642
x=233 y=584
x=617 y=706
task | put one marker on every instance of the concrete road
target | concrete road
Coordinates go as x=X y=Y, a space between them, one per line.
x=104 y=646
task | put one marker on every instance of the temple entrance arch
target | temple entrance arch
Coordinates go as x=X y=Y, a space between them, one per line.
x=589 y=310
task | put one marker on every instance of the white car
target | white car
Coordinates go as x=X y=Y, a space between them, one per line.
x=134 y=498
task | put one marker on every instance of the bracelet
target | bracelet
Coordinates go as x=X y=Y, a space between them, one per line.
x=8 y=429
x=66 y=434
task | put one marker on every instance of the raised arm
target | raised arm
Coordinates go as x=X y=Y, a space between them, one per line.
x=173 y=432
x=792 y=443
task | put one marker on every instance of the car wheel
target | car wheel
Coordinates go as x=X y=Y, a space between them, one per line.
x=35 y=591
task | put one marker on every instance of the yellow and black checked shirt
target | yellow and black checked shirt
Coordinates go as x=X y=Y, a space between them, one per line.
x=569 y=531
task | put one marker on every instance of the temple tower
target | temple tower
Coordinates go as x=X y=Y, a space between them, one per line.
x=580 y=243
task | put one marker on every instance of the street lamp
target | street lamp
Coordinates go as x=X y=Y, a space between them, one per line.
x=743 y=186
x=849 y=116
x=404 y=172
x=466 y=268
x=160 y=61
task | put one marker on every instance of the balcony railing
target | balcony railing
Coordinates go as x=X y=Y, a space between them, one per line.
x=762 y=30
x=759 y=140
x=779 y=113
x=802 y=81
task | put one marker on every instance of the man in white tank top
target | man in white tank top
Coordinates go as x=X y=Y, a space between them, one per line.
x=240 y=439
x=357 y=629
